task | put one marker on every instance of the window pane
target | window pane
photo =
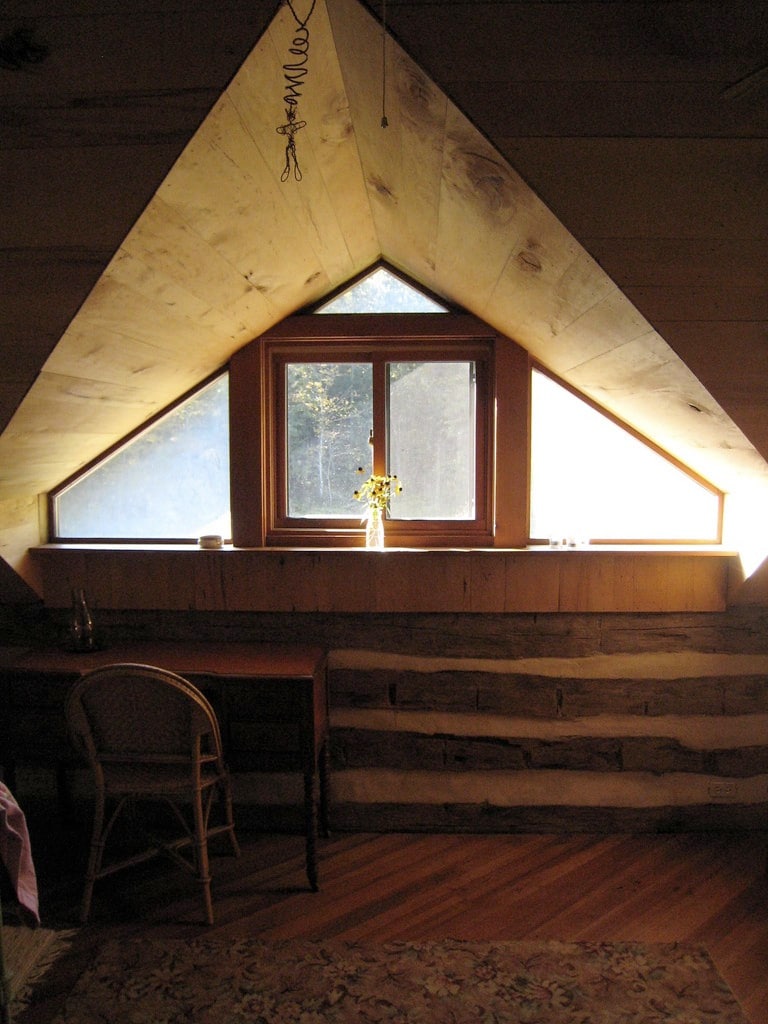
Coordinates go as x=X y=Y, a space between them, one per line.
x=591 y=478
x=171 y=481
x=432 y=439
x=381 y=292
x=329 y=414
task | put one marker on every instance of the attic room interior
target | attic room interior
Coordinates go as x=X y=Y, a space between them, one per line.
x=578 y=191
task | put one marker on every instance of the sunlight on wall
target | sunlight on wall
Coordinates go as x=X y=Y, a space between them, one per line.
x=745 y=526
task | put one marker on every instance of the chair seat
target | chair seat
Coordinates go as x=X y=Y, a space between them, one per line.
x=141 y=780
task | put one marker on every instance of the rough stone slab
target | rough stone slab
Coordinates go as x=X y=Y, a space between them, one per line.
x=492 y=754
x=359 y=748
x=742 y=762
x=517 y=694
x=547 y=696
x=437 y=691
x=585 y=697
x=362 y=748
x=649 y=754
x=348 y=688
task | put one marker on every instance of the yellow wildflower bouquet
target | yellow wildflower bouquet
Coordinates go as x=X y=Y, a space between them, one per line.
x=378 y=490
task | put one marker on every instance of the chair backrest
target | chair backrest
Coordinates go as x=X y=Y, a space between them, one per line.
x=140 y=712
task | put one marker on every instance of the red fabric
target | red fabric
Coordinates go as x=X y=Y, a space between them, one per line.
x=16 y=855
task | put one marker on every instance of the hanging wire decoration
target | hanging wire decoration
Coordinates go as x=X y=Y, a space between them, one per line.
x=295 y=73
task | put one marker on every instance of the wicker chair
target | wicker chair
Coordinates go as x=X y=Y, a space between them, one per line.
x=149 y=735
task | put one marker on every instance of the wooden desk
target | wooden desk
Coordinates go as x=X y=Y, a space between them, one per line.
x=271 y=701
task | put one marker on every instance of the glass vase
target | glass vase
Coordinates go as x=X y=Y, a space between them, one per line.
x=374 y=529
x=81 y=634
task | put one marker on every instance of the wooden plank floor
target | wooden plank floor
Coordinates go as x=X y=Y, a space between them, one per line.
x=707 y=889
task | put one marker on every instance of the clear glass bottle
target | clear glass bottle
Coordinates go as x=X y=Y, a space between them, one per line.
x=82 y=634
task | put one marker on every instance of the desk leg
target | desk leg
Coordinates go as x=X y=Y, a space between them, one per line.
x=310 y=824
x=325 y=775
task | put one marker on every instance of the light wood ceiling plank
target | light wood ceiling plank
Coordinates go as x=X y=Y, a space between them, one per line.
x=111 y=357
x=485 y=211
x=402 y=161
x=181 y=316
x=63 y=423
x=118 y=312
x=548 y=287
x=223 y=189
x=645 y=384
x=333 y=140
x=57 y=449
x=512 y=261
x=83 y=405
x=329 y=204
x=162 y=241
x=606 y=325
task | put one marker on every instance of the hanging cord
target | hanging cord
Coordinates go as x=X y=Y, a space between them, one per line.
x=384 y=121
x=295 y=74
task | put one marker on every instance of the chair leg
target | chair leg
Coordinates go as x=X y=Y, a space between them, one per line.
x=201 y=854
x=229 y=818
x=95 y=855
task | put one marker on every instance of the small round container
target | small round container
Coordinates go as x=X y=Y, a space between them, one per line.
x=210 y=540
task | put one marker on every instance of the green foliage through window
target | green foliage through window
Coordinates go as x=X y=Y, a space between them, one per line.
x=328 y=420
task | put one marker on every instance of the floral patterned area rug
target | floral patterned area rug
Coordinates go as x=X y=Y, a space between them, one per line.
x=449 y=982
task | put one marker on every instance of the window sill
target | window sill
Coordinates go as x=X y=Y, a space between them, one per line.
x=397 y=580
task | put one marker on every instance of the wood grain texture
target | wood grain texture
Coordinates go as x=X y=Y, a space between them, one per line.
x=274 y=580
x=702 y=888
x=150 y=140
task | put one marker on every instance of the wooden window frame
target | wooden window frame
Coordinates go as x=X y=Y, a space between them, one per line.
x=283 y=529
x=258 y=467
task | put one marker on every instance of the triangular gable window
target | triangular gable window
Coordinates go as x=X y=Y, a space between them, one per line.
x=593 y=480
x=381 y=291
x=169 y=482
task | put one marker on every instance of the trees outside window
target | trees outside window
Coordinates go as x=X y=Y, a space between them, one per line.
x=378 y=406
x=430 y=415
x=328 y=412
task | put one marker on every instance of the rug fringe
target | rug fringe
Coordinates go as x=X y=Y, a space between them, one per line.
x=30 y=954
